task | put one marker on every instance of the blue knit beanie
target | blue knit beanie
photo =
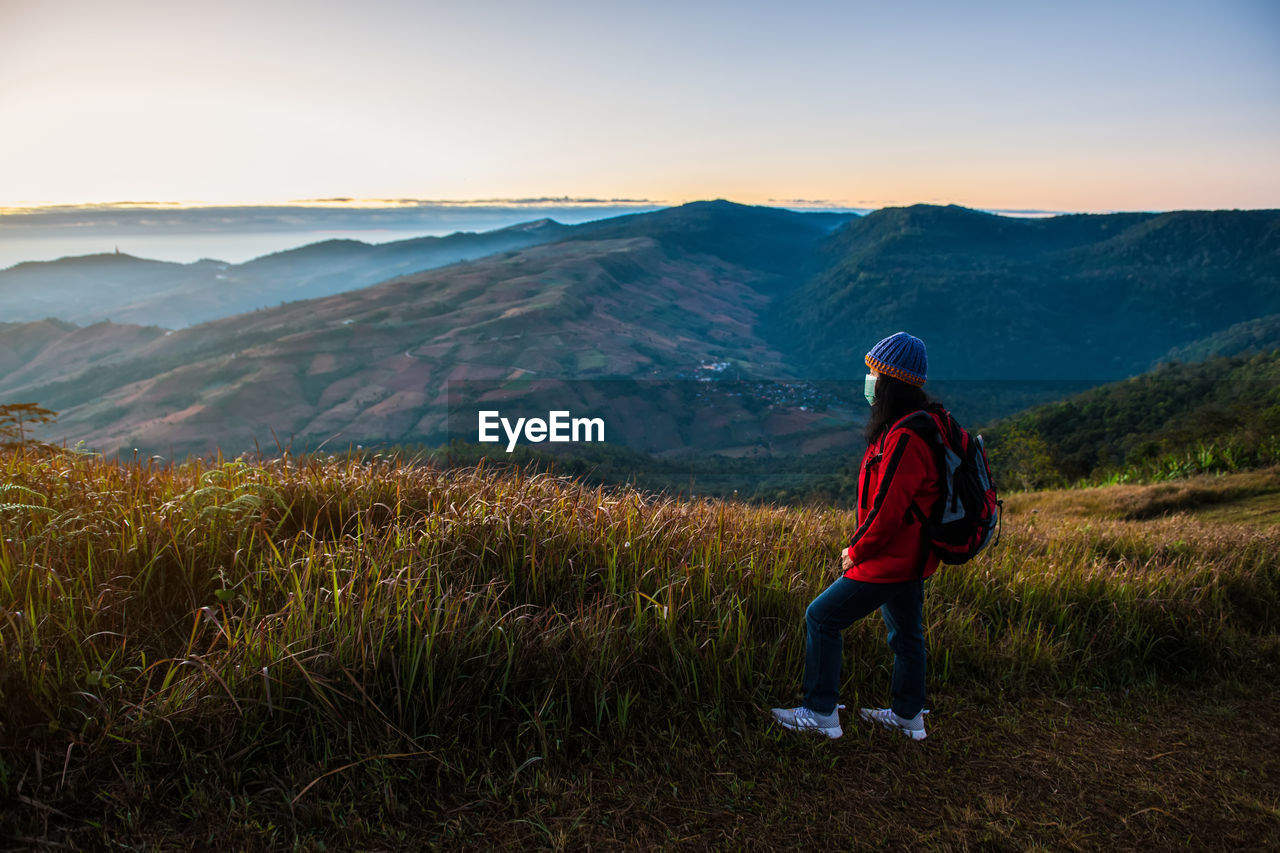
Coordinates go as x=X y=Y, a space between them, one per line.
x=901 y=356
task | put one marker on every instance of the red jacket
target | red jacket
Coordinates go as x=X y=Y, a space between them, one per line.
x=898 y=470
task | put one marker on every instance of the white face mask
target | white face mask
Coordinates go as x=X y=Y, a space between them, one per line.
x=869 y=389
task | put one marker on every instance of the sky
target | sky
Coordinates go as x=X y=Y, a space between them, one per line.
x=1090 y=106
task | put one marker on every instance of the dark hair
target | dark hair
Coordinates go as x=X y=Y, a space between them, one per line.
x=894 y=398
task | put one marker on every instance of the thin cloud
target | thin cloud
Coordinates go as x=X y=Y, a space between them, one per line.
x=334 y=201
x=816 y=203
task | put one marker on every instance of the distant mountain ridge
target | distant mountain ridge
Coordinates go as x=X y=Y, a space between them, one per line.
x=1066 y=297
x=122 y=288
x=770 y=293
x=778 y=242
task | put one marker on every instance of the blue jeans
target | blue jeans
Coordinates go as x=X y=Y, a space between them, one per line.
x=839 y=606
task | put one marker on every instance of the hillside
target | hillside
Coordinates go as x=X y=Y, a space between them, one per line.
x=49 y=351
x=373 y=364
x=1251 y=336
x=1066 y=297
x=1225 y=410
x=122 y=288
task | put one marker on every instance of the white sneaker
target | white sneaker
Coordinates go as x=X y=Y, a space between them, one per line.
x=912 y=728
x=804 y=720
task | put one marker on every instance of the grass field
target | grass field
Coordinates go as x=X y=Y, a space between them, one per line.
x=336 y=654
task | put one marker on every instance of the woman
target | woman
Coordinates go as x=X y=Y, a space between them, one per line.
x=889 y=558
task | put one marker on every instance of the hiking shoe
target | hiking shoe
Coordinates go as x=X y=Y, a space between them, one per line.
x=912 y=728
x=804 y=720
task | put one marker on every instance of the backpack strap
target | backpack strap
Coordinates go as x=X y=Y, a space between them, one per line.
x=922 y=422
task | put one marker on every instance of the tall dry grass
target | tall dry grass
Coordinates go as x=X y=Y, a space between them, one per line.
x=318 y=609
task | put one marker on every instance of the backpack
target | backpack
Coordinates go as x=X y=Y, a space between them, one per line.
x=968 y=512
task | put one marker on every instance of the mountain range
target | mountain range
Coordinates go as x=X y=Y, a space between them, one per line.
x=705 y=290
x=1065 y=297
x=125 y=289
